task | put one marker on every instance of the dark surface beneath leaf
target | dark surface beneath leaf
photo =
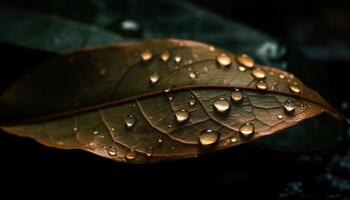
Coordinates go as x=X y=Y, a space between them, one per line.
x=250 y=172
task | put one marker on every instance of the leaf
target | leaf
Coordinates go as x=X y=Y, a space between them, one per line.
x=155 y=100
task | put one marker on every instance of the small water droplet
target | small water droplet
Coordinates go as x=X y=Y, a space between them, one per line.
x=289 y=106
x=112 y=151
x=223 y=59
x=247 y=129
x=160 y=140
x=149 y=151
x=192 y=75
x=168 y=89
x=294 y=89
x=211 y=48
x=281 y=76
x=154 y=78
x=146 y=55
x=233 y=139
x=182 y=115
x=165 y=56
x=95 y=132
x=208 y=137
x=177 y=59
x=75 y=129
x=222 y=105
x=258 y=73
x=241 y=68
x=280 y=116
x=173 y=148
x=130 y=121
x=272 y=73
x=236 y=95
x=261 y=85
x=192 y=101
x=130 y=25
x=60 y=143
x=112 y=129
x=170 y=97
x=169 y=125
x=245 y=60
x=130 y=155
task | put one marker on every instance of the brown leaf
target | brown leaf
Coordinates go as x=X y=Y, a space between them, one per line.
x=155 y=100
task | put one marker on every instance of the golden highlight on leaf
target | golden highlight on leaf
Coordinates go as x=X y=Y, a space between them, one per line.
x=155 y=100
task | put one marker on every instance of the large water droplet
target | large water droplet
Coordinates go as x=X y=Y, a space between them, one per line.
x=192 y=75
x=247 y=129
x=130 y=121
x=222 y=105
x=165 y=56
x=177 y=59
x=146 y=55
x=130 y=155
x=208 y=137
x=294 y=89
x=223 y=59
x=261 y=85
x=154 y=78
x=245 y=60
x=182 y=115
x=259 y=73
x=236 y=95
x=112 y=151
x=289 y=106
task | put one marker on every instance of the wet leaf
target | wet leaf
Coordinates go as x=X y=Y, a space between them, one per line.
x=126 y=102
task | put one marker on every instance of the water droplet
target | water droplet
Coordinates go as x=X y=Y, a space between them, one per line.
x=259 y=73
x=165 y=56
x=75 y=129
x=130 y=25
x=146 y=55
x=154 y=78
x=233 y=139
x=289 y=106
x=247 y=129
x=222 y=105
x=95 y=132
x=236 y=95
x=281 y=76
x=294 y=89
x=189 y=61
x=177 y=59
x=112 y=151
x=261 y=85
x=60 y=143
x=211 y=48
x=272 y=73
x=182 y=115
x=130 y=121
x=245 y=60
x=173 y=148
x=223 y=59
x=241 y=68
x=160 y=140
x=192 y=101
x=130 y=155
x=170 y=97
x=112 y=129
x=168 y=89
x=169 y=125
x=192 y=75
x=208 y=137
x=280 y=116
x=149 y=151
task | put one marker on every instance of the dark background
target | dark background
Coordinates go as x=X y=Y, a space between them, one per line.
x=320 y=30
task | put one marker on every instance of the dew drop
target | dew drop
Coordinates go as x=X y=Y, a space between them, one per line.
x=294 y=89
x=170 y=97
x=236 y=95
x=259 y=73
x=160 y=140
x=289 y=106
x=75 y=129
x=95 y=132
x=192 y=102
x=211 y=48
x=281 y=76
x=242 y=68
x=182 y=115
x=112 y=151
x=247 y=129
x=245 y=60
x=280 y=116
x=149 y=151
x=165 y=56
x=222 y=105
x=112 y=129
x=177 y=59
x=130 y=155
x=154 y=78
x=130 y=121
x=208 y=137
x=146 y=55
x=233 y=139
x=261 y=85
x=192 y=75
x=169 y=125
x=223 y=60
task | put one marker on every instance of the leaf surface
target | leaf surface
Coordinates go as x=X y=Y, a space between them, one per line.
x=155 y=100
